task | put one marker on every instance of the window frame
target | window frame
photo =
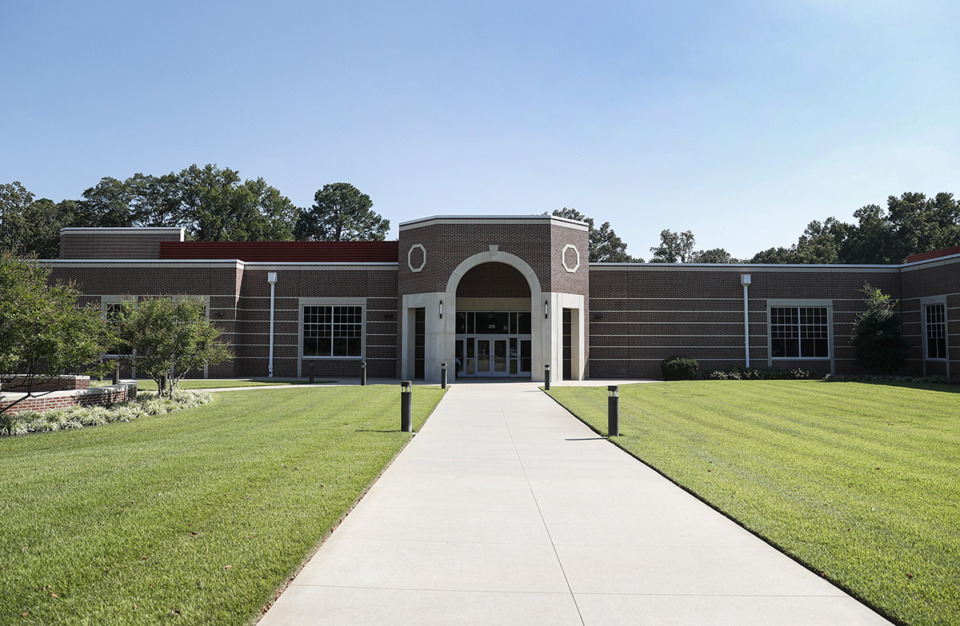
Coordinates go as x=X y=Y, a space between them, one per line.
x=827 y=305
x=106 y=302
x=333 y=303
x=925 y=304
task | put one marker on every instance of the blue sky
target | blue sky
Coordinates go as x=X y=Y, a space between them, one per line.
x=740 y=120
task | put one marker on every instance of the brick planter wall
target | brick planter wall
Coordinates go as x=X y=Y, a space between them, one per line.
x=113 y=394
x=61 y=383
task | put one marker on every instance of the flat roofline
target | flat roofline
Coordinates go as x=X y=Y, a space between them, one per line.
x=124 y=229
x=217 y=262
x=936 y=259
x=480 y=219
x=744 y=266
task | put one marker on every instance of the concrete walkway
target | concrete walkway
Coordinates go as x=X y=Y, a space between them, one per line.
x=505 y=509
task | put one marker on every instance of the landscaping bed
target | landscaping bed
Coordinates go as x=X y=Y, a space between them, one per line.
x=858 y=481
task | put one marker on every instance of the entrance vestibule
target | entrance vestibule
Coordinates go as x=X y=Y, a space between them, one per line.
x=494 y=343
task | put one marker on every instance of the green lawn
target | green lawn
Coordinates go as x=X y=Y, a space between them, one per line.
x=199 y=515
x=858 y=481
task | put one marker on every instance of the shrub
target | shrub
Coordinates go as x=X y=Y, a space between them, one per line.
x=679 y=368
x=761 y=373
x=80 y=416
x=878 y=344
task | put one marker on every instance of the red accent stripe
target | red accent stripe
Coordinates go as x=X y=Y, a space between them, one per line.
x=285 y=251
x=935 y=254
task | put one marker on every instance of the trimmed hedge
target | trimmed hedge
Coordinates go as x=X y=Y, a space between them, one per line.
x=761 y=373
x=679 y=368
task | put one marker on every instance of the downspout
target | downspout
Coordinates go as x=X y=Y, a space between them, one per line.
x=272 y=279
x=745 y=281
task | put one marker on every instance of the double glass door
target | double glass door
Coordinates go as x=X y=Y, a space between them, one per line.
x=493 y=343
x=493 y=356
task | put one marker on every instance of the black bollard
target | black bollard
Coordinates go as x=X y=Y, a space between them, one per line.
x=363 y=373
x=546 y=377
x=443 y=375
x=310 y=369
x=613 y=411
x=406 y=406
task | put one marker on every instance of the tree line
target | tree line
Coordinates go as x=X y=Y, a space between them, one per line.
x=216 y=204
x=211 y=203
x=910 y=224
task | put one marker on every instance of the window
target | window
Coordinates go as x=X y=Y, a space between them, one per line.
x=799 y=333
x=935 y=330
x=111 y=307
x=330 y=331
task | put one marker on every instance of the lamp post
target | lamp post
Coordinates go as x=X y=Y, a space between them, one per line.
x=745 y=281
x=613 y=411
x=406 y=406
x=272 y=279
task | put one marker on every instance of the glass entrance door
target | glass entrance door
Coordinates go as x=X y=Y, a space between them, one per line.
x=499 y=357
x=483 y=357
x=493 y=343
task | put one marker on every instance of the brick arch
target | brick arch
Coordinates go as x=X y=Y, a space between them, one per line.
x=508 y=282
x=492 y=256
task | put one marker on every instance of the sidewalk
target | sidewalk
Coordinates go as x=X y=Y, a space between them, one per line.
x=505 y=509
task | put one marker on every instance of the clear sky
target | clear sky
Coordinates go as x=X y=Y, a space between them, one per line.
x=741 y=120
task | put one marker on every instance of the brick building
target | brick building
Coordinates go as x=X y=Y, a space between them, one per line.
x=506 y=296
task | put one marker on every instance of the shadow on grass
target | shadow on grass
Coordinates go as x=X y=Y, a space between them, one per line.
x=906 y=384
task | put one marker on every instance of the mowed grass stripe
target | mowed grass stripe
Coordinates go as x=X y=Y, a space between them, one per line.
x=858 y=481
x=199 y=515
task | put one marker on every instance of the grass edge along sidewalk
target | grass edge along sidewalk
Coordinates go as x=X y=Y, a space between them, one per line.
x=856 y=481
x=201 y=515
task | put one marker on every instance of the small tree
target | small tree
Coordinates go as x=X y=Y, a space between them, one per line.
x=878 y=343
x=168 y=338
x=43 y=331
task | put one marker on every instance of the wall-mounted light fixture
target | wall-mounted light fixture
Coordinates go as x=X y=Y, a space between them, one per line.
x=598 y=316
x=546 y=309
x=272 y=278
x=441 y=309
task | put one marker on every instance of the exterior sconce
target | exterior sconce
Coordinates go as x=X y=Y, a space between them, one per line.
x=546 y=309
x=598 y=316
x=441 y=309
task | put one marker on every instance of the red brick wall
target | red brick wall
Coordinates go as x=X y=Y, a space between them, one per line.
x=644 y=313
x=115 y=243
x=60 y=383
x=934 y=278
x=83 y=397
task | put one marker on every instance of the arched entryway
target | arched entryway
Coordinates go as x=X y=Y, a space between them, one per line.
x=494 y=330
